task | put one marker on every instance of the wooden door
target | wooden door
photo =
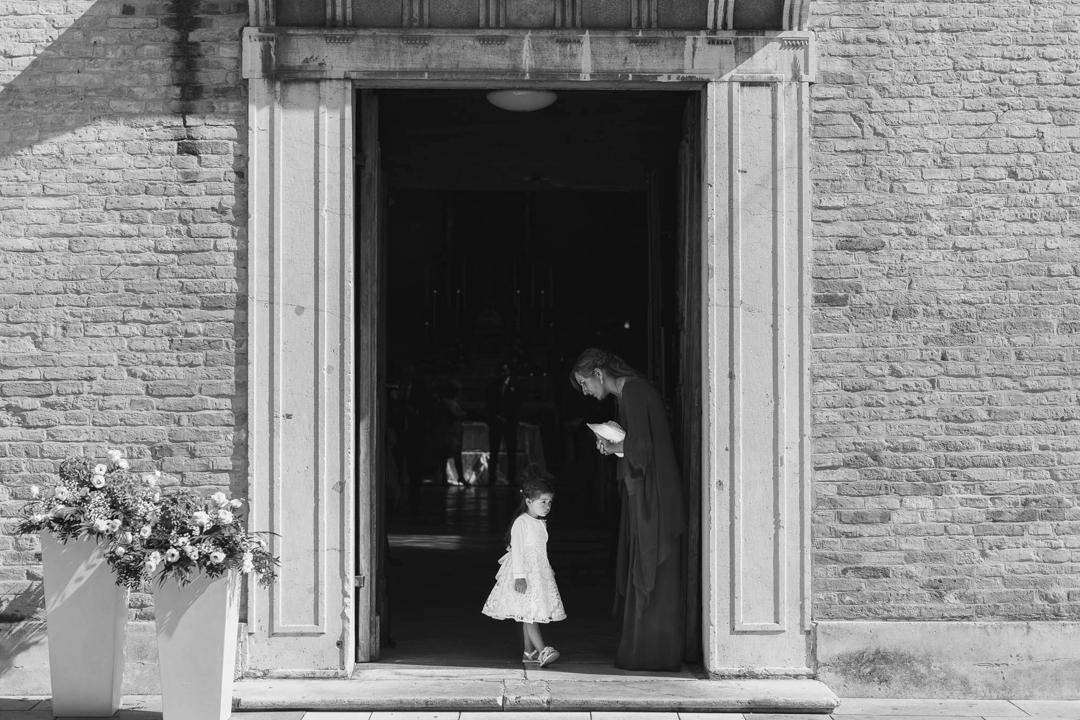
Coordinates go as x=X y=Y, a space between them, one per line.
x=689 y=229
x=656 y=369
x=370 y=532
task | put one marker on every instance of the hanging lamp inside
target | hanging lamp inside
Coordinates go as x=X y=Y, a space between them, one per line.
x=521 y=100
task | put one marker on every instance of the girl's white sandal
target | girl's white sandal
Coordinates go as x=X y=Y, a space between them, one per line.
x=548 y=655
x=530 y=657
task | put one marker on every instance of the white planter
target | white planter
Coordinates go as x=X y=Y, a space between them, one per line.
x=86 y=615
x=196 y=628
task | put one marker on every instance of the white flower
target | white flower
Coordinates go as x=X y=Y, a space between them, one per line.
x=119 y=551
x=100 y=469
x=97 y=481
x=217 y=557
x=144 y=532
x=35 y=491
x=192 y=552
x=219 y=498
x=224 y=517
x=172 y=555
x=249 y=562
x=236 y=502
x=123 y=464
x=114 y=525
x=126 y=538
x=37 y=517
x=115 y=455
x=196 y=531
x=100 y=526
x=157 y=497
x=84 y=491
x=247 y=567
x=155 y=557
x=200 y=518
x=150 y=565
x=62 y=493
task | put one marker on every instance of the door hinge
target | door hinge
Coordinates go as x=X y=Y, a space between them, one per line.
x=359 y=580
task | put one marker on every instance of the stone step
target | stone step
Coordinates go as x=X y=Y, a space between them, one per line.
x=477 y=689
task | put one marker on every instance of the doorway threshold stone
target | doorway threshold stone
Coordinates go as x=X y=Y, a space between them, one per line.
x=401 y=671
x=517 y=692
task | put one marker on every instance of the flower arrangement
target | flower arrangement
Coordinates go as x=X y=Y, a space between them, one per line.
x=103 y=500
x=194 y=534
x=149 y=534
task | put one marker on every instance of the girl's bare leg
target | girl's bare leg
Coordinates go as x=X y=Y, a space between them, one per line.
x=533 y=630
x=526 y=639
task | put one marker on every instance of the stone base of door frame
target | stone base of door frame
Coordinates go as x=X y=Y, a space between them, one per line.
x=984 y=660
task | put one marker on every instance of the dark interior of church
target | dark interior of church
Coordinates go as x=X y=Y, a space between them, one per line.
x=516 y=238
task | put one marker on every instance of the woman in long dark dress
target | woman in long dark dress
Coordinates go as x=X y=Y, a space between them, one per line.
x=648 y=580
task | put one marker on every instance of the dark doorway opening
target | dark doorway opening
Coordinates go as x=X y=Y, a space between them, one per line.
x=517 y=238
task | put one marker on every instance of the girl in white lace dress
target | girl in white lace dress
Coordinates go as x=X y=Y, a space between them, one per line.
x=525 y=588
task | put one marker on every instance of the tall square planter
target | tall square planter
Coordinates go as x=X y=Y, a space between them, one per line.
x=197 y=635
x=86 y=619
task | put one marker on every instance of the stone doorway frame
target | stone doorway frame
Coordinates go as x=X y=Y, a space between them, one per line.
x=311 y=396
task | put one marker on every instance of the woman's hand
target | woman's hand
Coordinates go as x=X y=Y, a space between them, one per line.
x=606 y=447
x=520 y=585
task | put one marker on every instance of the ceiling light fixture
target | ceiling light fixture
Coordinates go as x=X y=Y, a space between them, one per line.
x=521 y=100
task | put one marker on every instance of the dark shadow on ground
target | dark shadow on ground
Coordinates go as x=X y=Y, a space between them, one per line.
x=445 y=556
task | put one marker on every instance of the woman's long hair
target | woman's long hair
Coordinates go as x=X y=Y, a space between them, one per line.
x=531 y=490
x=610 y=363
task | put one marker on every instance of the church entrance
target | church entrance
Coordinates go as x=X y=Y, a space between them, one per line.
x=502 y=244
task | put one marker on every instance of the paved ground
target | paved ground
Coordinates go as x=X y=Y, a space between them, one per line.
x=149 y=708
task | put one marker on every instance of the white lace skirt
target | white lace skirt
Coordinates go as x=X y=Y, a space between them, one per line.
x=540 y=603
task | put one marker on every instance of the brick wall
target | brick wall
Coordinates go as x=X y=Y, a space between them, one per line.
x=946 y=171
x=122 y=143
x=946 y=162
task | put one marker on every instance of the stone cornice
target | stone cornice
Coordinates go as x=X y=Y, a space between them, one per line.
x=504 y=56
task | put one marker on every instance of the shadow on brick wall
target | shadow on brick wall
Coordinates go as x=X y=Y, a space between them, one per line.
x=116 y=62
